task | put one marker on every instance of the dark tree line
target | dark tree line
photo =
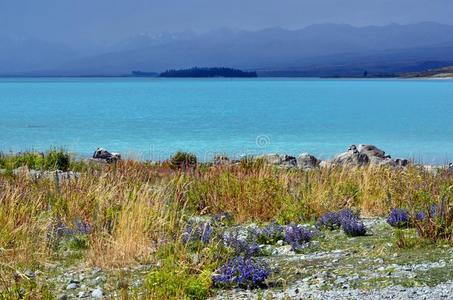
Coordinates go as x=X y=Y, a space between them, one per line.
x=207 y=72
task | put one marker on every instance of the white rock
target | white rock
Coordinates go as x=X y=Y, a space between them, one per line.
x=71 y=286
x=325 y=164
x=283 y=250
x=97 y=293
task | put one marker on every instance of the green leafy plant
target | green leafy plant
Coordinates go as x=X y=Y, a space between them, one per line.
x=403 y=241
x=175 y=281
x=183 y=160
x=57 y=160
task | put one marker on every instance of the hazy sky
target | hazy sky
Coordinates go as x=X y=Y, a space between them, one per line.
x=81 y=21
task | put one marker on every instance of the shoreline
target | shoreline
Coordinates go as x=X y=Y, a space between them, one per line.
x=354 y=156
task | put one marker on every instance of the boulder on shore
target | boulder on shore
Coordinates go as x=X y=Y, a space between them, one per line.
x=352 y=157
x=288 y=161
x=281 y=160
x=355 y=156
x=103 y=155
x=372 y=151
x=306 y=161
x=362 y=155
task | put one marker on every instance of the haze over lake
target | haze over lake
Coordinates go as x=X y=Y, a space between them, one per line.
x=153 y=118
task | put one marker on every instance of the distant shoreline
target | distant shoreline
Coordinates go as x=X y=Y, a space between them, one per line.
x=258 y=77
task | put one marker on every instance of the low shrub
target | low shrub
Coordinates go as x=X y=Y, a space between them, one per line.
x=437 y=222
x=77 y=242
x=403 y=241
x=57 y=159
x=24 y=288
x=32 y=160
x=241 y=272
x=171 y=281
x=183 y=160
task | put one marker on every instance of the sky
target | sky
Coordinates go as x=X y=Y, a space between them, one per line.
x=77 y=22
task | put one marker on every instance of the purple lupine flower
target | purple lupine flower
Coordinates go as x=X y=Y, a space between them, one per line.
x=268 y=234
x=242 y=272
x=346 y=219
x=241 y=246
x=222 y=218
x=353 y=227
x=330 y=220
x=188 y=232
x=433 y=212
x=58 y=230
x=420 y=216
x=347 y=214
x=197 y=232
x=82 y=227
x=206 y=233
x=333 y=220
x=297 y=236
x=398 y=218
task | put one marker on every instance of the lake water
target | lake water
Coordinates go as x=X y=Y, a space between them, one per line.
x=153 y=118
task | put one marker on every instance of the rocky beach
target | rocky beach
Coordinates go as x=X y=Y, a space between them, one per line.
x=331 y=267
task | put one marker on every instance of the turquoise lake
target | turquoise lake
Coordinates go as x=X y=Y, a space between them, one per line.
x=152 y=118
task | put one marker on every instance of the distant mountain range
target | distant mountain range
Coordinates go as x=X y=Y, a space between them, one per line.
x=25 y=54
x=317 y=50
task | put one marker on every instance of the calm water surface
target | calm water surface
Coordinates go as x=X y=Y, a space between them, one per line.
x=152 y=118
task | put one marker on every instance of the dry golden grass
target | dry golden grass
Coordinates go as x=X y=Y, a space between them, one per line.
x=133 y=207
